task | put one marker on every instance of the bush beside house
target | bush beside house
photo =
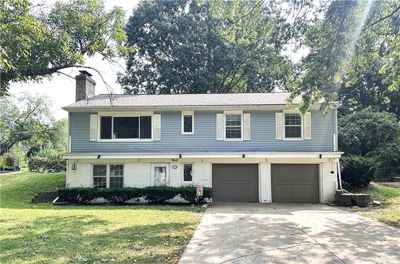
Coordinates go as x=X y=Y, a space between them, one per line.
x=153 y=195
x=41 y=164
x=371 y=143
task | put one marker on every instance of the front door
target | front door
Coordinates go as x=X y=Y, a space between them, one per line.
x=159 y=174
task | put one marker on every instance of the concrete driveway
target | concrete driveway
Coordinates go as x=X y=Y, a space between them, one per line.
x=290 y=233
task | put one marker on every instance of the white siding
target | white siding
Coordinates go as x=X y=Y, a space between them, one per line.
x=79 y=177
x=175 y=174
x=137 y=174
x=265 y=182
x=328 y=183
x=202 y=174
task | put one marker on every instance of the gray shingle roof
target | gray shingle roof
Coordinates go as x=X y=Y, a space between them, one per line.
x=179 y=100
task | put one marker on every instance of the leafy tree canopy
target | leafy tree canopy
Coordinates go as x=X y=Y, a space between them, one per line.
x=367 y=131
x=198 y=46
x=27 y=121
x=36 y=43
x=354 y=49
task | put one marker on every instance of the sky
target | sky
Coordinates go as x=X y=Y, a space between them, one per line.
x=60 y=89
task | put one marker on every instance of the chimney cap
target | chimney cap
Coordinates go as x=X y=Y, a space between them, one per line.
x=85 y=72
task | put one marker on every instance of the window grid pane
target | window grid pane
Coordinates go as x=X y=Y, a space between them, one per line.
x=126 y=127
x=99 y=170
x=292 y=126
x=187 y=172
x=145 y=127
x=116 y=170
x=233 y=126
x=116 y=182
x=100 y=182
x=187 y=124
x=105 y=127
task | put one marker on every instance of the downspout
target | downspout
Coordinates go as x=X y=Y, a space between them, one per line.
x=339 y=177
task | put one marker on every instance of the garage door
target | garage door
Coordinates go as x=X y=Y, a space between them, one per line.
x=235 y=182
x=295 y=183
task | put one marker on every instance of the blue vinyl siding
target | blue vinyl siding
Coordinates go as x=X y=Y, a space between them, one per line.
x=204 y=137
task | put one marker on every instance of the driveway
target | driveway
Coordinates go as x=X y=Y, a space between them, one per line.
x=290 y=233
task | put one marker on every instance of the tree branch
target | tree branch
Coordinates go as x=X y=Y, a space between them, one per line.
x=383 y=18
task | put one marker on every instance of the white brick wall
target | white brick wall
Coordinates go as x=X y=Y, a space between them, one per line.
x=265 y=182
x=138 y=174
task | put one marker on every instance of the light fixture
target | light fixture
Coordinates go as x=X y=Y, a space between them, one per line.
x=243 y=156
x=98 y=156
x=74 y=165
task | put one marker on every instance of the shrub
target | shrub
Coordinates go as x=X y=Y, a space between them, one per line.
x=154 y=195
x=41 y=164
x=189 y=194
x=120 y=195
x=159 y=194
x=7 y=162
x=78 y=195
x=358 y=171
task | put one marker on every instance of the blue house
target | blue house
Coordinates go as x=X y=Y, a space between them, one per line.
x=252 y=147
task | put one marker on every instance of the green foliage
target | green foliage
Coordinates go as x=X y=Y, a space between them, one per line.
x=78 y=195
x=365 y=131
x=41 y=164
x=36 y=42
x=28 y=125
x=388 y=155
x=354 y=50
x=7 y=162
x=198 y=46
x=120 y=195
x=154 y=195
x=357 y=170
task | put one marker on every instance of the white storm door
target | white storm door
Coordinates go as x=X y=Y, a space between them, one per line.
x=159 y=174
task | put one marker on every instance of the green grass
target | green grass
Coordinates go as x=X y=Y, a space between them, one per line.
x=389 y=211
x=43 y=233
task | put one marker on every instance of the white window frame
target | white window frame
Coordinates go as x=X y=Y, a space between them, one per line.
x=183 y=173
x=284 y=126
x=123 y=114
x=241 y=125
x=167 y=178
x=108 y=174
x=92 y=173
x=187 y=113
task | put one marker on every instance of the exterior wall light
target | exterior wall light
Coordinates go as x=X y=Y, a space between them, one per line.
x=74 y=165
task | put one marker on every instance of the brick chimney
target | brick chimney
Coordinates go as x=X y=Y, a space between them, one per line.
x=85 y=86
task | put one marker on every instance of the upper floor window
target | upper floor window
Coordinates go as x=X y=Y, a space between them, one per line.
x=187 y=123
x=125 y=127
x=233 y=126
x=293 y=126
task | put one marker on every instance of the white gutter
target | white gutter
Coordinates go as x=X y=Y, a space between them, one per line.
x=204 y=155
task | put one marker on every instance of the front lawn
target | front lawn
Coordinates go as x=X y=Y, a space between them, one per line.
x=44 y=233
x=389 y=196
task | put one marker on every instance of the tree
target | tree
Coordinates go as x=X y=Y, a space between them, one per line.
x=343 y=43
x=366 y=131
x=198 y=46
x=35 y=44
x=27 y=121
